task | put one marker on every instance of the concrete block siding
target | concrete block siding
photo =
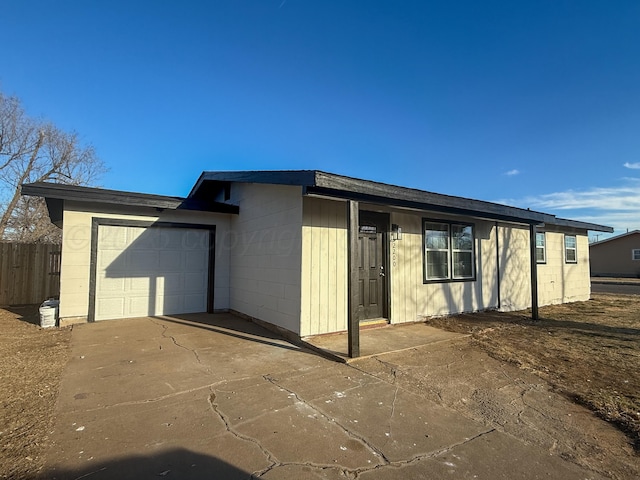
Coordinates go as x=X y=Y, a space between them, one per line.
x=264 y=247
x=561 y=282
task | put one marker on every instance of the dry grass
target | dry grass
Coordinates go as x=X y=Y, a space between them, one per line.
x=589 y=351
x=32 y=362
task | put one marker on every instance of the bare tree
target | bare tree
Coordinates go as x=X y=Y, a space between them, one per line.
x=32 y=150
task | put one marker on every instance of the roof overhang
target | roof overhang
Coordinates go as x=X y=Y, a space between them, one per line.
x=56 y=194
x=564 y=222
x=312 y=182
x=315 y=182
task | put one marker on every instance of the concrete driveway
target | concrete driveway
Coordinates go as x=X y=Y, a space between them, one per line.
x=214 y=396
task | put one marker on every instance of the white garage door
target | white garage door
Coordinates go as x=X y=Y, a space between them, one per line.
x=150 y=271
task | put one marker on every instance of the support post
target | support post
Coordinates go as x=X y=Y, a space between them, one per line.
x=353 y=324
x=534 y=273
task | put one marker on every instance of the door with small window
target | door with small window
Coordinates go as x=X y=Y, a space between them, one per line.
x=372 y=271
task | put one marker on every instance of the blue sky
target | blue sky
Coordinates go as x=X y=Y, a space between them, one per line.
x=535 y=104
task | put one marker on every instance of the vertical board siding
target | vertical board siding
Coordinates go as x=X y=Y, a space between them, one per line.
x=412 y=299
x=324 y=267
x=29 y=273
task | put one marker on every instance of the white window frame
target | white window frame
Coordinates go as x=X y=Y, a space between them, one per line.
x=571 y=249
x=542 y=247
x=635 y=254
x=451 y=277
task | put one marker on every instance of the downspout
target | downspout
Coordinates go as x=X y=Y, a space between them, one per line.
x=498 y=265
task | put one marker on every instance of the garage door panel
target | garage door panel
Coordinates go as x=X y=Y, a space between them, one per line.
x=194 y=282
x=195 y=260
x=142 y=262
x=137 y=285
x=140 y=306
x=110 y=308
x=172 y=283
x=171 y=239
x=140 y=240
x=173 y=303
x=112 y=239
x=195 y=302
x=107 y=258
x=150 y=271
x=170 y=263
x=110 y=285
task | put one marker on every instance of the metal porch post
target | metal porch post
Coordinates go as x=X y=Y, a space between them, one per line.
x=352 y=298
x=534 y=273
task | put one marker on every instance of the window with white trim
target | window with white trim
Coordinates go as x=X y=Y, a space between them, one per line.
x=570 y=249
x=541 y=247
x=448 y=251
x=635 y=254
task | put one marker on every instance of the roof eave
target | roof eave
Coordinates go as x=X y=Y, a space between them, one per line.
x=116 y=197
x=497 y=214
x=274 y=177
x=338 y=186
x=594 y=227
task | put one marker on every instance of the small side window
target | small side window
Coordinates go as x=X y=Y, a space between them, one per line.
x=635 y=254
x=541 y=247
x=570 y=249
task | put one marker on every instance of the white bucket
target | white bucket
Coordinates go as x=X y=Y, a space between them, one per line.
x=49 y=313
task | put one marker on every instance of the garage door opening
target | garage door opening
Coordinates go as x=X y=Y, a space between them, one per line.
x=141 y=269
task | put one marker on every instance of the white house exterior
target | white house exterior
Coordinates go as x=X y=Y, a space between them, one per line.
x=308 y=252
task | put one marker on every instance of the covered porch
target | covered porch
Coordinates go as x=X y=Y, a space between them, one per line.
x=375 y=340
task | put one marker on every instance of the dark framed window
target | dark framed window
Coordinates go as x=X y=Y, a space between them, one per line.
x=570 y=249
x=635 y=254
x=541 y=247
x=449 y=253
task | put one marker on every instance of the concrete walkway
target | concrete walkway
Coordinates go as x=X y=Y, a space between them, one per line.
x=214 y=396
x=384 y=339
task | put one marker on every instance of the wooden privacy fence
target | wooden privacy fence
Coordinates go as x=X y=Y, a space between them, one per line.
x=29 y=272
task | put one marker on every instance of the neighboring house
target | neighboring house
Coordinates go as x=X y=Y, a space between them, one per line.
x=308 y=252
x=616 y=256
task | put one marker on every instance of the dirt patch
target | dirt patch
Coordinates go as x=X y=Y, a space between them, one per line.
x=589 y=351
x=32 y=362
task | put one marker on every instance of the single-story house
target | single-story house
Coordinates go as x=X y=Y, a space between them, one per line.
x=617 y=256
x=308 y=252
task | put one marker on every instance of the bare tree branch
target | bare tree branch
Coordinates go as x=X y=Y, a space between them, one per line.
x=34 y=151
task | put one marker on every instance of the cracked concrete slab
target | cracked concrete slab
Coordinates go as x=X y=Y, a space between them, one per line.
x=398 y=423
x=333 y=377
x=484 y=458
x=214 y=396
x=509 y=399
x=300 y=434
x=183 y=422
x=297 y=472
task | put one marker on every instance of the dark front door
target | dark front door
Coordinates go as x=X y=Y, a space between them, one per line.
x=372 y=270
